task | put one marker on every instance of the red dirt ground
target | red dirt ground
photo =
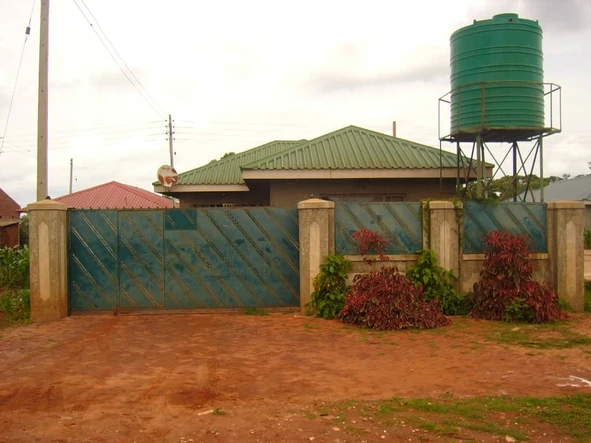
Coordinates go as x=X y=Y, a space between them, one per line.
x=151 y=378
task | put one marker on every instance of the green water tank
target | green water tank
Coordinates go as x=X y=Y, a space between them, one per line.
x=497 y=75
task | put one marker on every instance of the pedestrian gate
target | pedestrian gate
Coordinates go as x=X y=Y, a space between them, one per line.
x=124 y=260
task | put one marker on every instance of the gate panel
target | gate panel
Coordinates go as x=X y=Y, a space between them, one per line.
x=399 y=223
x=92 y=260
x=141 y=270
x=231 y=257
x=514 y=217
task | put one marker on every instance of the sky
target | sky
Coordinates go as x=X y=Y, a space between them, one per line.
x=235 y=75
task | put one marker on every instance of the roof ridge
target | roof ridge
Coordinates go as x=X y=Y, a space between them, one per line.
x=236 y=155
x=143 y=193
x=369 y=132
x=4 y=194
x=113 y=190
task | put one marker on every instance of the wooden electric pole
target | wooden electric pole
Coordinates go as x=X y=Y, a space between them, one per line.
x=42 y=118
x=171 y=147
x=71 y=173
x=170 y=143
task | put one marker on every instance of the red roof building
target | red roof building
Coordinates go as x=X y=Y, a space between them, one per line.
x=9 y=221
x=114 y=195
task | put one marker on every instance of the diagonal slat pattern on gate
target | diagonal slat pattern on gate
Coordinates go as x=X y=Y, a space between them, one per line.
x=92 y=262
x=231 y=257
x=515 y=217
x=398 y=222
x=141 y=258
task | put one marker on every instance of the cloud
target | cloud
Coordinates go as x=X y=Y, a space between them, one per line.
x=565 y=16
x=348 y=80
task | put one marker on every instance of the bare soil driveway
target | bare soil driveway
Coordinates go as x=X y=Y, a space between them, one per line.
x=242 y=378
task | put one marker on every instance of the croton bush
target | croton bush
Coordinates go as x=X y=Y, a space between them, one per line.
x=387 y=300
x=506 y=290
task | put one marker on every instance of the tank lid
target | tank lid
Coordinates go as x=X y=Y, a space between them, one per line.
x=509 y=16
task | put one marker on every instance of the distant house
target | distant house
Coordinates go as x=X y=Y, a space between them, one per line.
x=350 y=164
x=9 y=221
x=114 y=195
x=578 y=189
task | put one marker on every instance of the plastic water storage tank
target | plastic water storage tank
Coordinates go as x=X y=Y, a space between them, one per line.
x=505 y=52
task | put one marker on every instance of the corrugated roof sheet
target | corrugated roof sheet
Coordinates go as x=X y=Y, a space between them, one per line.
x=8 y=207
x=115 y=195
x=571 y=189
x=357 y=148
x=4 y=223
x=227 y=171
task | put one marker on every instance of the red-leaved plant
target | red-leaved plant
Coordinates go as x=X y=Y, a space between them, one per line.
x=506 y=290
x=370 y=243
x=387 y=300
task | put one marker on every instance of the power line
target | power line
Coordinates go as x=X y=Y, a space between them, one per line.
x=145 y=95
x=27 y=32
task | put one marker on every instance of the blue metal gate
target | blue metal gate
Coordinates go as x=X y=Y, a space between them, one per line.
x=183 y=259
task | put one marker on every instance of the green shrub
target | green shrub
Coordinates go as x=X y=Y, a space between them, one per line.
x=16 y=304
x=14 y=268
x=588 y=296
x=437 y=283
x=330 y=286
x=587 y=238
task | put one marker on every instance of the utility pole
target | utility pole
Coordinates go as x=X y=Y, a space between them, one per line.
x=42 y=118
x=71 y=173
x=170 y=143
x=171 y=147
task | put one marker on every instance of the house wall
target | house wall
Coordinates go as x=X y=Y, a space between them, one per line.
x=287 y=193
x=9 y=236
x=258 y=196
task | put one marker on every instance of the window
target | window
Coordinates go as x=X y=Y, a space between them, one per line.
x=363 y=198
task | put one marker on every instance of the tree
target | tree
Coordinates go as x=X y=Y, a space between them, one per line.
x=565 y=176
x=24 y=230
x=227 y=154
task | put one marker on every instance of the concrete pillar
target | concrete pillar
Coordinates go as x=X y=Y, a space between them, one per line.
x=49 y=265
x=444 y=237
x=566 y=251
x=317 y=227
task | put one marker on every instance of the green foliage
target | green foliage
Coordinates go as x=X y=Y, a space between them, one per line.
x=587 y=238
x=14 y=268
x=588 y=296
x=16 y=304
x=437 y=283
x=502 y=188
x=255 y=311
x=330 y=286
x=24 y=230
x=226 y=155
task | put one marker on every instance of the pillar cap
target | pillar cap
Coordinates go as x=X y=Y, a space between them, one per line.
x=442 y=204
x=315 y=203
x=566 y=204
x=46 y=205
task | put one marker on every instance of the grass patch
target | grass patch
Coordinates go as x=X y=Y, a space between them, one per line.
x=559 y=335
x=15 y=304
x=218 y=411
x=309 y=326
x=494 y=416
x=256 y=311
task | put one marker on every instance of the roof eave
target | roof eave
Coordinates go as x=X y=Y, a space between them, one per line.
x=327 y=174
x=200 y=188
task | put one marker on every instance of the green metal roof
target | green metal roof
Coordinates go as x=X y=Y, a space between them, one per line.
x=227 y=171
x=356 y=148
